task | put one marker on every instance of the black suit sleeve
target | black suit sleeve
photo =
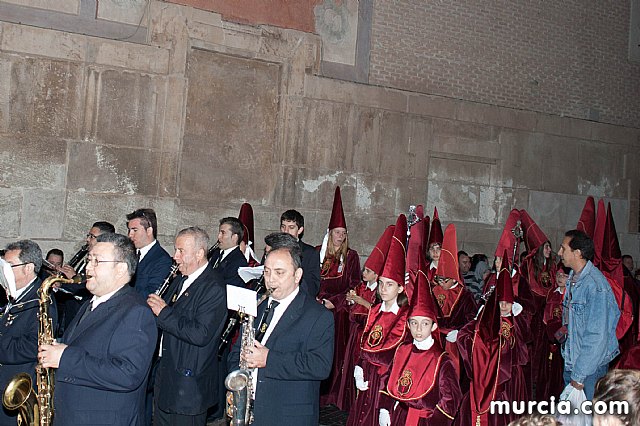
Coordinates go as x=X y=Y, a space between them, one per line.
x=197 y=328
x=311 y=268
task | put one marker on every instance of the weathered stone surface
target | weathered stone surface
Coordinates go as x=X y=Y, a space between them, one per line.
x=497 y=202
x=230 y=129
x=32 y=162
x=553 y=210
x=602 y=169
x=49 y=205
x=614 y=134
x=443 y=167
x=395 y=131
x=136 y=57
x=420 y=144
x=518 y=153
x=66 y=6
x=126 y=106
x=99 y=168
x=365 y=137
x=432 y=106
x=497 y=116
x=555 y=158
x=455 y=201
x=44 y=97
x=38 y=41
x=10 y=204
x=129 y=12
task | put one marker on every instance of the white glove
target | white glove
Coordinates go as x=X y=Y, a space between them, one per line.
x=358 y=374
x=516 y=309
x=452 y=336
x=384 y=418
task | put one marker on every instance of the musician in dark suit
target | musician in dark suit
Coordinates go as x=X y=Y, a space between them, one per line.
x=228 y=257
x=296 y=351
x=104 y=358
x=19 y=319
x=191 y=318
x=154 y=262
x=292 y=222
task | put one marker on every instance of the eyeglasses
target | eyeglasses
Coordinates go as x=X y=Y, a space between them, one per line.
x=92 y=236
x=20 y=264
x=95 y=261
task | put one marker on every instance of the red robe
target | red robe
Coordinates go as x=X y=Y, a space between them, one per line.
x=456 y=307
x=383 y=333
x=550 y=380
x=496 y=370
x=425 y=384
x=335 y=281
x=357 y=318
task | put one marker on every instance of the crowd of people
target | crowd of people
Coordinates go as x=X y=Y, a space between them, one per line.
x=422 y=334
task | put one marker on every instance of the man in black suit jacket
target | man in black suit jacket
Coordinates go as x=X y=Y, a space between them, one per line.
x=228 y=257
x=105 y=355
x=154 y=262
x=296 y=352
x=292 y=222
x=191 y=319
x=19 y=319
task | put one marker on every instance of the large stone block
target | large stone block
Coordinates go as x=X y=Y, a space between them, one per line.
x=123 y=108
x=455 y=201
x=29 y=40
x=553 y=210
x=601 y=169
x=520 y=156
x=42 y=213
x=10 y=212
x=376 y=195
x=131 y=56
x=32 y=162
x=497 y=202
x=99 y=168
x=44 y=98
x=66 y=6
x=451 y=168
x=366 y=141
x=395 y=132
x=555 y=159
x=130 y=11
x=420 y=144
x=497 y=116
x=432 y=106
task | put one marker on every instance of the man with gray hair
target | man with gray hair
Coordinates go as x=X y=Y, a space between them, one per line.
x=191 y=317
x=19 y=318
x=105 y=355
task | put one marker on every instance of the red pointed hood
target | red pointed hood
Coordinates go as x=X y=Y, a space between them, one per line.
x=435 y=234
x=422 y=303
x=611 y=258
x=505 y=284
x=598 y=233
x=587 y=221
x=376 y=259
x=337 y=214
x=507 y=239
x=394 y=265
x=246 y=217
x=533 y=235
x=448 y=263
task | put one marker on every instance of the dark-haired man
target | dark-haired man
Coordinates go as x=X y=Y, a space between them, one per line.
x=104 y=358
x=292 y=222
x=228 y=257
x=590 y=314
x=296 y=351
x=154 y=262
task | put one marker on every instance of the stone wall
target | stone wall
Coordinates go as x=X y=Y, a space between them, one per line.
x=204 y=114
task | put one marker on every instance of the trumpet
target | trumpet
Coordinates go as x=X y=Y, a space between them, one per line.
x=167 y=281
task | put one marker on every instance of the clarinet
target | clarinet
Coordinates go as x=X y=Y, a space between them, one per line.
x=212 y=249
x=167 y=281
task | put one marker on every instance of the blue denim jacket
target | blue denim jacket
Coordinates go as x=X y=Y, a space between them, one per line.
x=593 y=317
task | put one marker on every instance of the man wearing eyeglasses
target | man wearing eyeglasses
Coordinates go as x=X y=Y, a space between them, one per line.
x=68 y=302
x=19 y=318
x=154 y=262
x=104 y=357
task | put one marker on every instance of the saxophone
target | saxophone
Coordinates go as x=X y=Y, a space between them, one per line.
x=239 y=382
x=36 y=409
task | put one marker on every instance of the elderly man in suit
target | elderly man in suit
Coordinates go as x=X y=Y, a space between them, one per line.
x=105 y=355
x=154 y=262
x=295 y=352
x=19 y=318
x=191 y=319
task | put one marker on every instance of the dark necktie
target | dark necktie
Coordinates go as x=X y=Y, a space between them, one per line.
x=138 y=254
x=215 y=265
x=87 y=311
x=267 y=316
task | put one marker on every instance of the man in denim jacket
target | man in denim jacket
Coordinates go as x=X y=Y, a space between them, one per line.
x=590 y=315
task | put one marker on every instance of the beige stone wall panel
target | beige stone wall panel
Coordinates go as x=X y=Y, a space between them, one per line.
x=497 y=116
x=126 y=111
x=366 y=141
x=50 y=208
x=27 y=40
x=65 y=6
x=460 y=168
x=325 y=145
x=602 y=170
x=10 y=205
x=433 y=106
x=130 y=56
x=455 y=201
x=32 y=162
x=116 y=170
x=130 y=11
x=44 y=97
x=421 y=141
x=555 y=159
x=230 y=127
x=517 y=149
x=395 y=132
